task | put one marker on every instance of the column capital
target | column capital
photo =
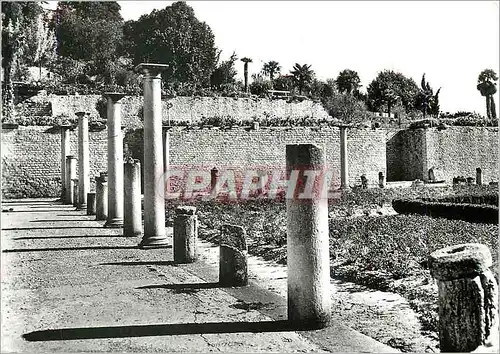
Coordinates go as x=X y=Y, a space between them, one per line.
x=115 y=96
x=166 y=128
x=81 y=114
x=65 y=126
x=150 y=69
x=70 y=157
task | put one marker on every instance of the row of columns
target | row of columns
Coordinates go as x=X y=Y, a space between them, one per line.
x=155 y=162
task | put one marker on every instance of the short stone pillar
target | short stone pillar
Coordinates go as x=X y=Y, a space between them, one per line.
x=91 y=203
x=381 y=180
x=468 y=297
x=344 y=159
x=185 y=234
x=115 y=160
x=70 y=175
x=308 y=256
x=101 y=196
x=479 y=176
x=364 y=182
x=83 y=160
x=432 y=176
x=76 y=192
x=470 y=181
x=233 y=267
x=65 y=151
x=214 y=177
x=132 y=220
x=154 y=178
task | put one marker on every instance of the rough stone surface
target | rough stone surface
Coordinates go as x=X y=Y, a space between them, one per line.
x=233 y=267
x=468 y=297
x=185 y=236
x=186 y=210
x=91 y=203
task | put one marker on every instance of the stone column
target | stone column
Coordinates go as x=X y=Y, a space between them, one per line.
x=185 y=234
x=154 y=186
x=344 y=157
x=468 y=298
x=132 y=220
x=115 y=160
x=381 y=180
x=65 y=151
x=166 y=148
x=83 y=160
x=91 y=203
x=479 y=176
x=233 y=263
x=308 y=256
x=70 y=176
x=76 y=193
x=214 y=177
x=102 y=196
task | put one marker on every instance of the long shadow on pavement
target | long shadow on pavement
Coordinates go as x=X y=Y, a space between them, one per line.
x=63 y=220
x=140 y=263
x=72 y=249
x=35 y=211
x=51 y=228
x=70 y=237
x=191 y=286
x=158 y=330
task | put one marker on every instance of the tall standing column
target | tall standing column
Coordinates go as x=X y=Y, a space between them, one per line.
x=132 y=221
x=115 y=161
x=344 y=164
x=166 y=154
x=308 y=258
x=83 y=160
x=154 y=187
x=70 y=175
x=65 y=151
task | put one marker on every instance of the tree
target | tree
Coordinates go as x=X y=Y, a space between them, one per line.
x=245 y=70
x=40 y=45
x=487 y=86
x=388 y=87
x=92 y=32
x=259 y=85
x=225 y=73
x=348 y=81
x=16 y=17
x=345 y=107
x=426 y=100
x=270 y=69
x=303 y=75
x=173 y=36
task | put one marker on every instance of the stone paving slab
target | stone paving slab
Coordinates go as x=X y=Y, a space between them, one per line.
x=70 y=285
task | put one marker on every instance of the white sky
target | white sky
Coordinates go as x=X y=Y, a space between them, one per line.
x=451 y=41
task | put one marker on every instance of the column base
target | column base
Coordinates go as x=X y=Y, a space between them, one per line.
x=115 y=223
x=81 y=207
x=132 y=234
x=154 y=242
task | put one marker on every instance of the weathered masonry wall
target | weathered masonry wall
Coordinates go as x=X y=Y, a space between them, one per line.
x=458 y=151
x=189 y=109
x=31 y=160
x=451 y=152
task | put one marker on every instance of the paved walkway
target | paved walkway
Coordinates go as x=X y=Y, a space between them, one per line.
x=70 y=285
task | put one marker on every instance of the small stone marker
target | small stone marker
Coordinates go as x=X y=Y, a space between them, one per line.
x=91 y=203
x=470 y=181
x=479 y=176
x=364 y=182
x=185 y=234
x=381 y=180
x=233 y=268
x=468 y=297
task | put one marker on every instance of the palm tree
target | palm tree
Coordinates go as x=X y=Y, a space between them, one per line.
x=348 y=81
x=302 y=75
x=245 y=71
x=270 y=69
x=487 y=86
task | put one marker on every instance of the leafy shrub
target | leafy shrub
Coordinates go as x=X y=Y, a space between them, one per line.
x=490 y=199
x=467 y=212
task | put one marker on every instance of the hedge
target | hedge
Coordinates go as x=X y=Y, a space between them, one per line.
x=467 y=212
x=490 y=199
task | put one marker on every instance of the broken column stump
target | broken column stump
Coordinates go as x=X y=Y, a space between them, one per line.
x=91 y=204
x=102 y=196
x=132 y=218
x=468 y=297
x=185 y=234
x=76 y=193
x=479 y=176
x=381 y=180
x=233 y=268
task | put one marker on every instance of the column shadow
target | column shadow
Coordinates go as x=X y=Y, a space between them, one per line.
x=35 y=211
x=96 y=248
x=189 y=286
x=158 y=330
x=51 y=228
x=168 y=263
x=64 y=237
x=63 y=220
